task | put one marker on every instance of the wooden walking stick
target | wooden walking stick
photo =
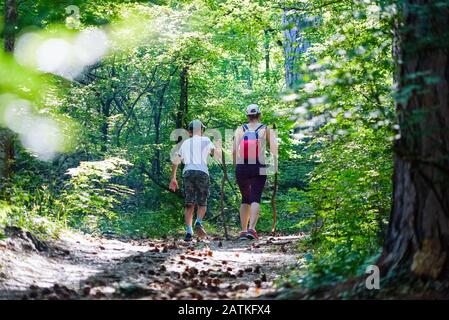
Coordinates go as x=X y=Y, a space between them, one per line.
x=275 y=188
x=273 y=202
x=223 y=180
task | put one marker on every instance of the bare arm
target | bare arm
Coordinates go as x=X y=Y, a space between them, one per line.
x=173 y=182
x=237 y=137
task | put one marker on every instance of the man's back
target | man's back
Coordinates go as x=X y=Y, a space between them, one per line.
x=194 y=153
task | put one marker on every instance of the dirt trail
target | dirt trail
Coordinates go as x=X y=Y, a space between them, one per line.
x=83 y=267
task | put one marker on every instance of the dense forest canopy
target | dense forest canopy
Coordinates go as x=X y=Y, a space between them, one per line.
x=91 y=91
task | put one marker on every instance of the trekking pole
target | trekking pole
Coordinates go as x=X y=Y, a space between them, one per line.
x=223 y=180
x=273 y=196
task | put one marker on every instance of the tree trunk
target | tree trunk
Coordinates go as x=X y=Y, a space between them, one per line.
x=10 y=25
x=157 y=114
x=105 y=114
x=183 y=97
x=6 y=138
x=267 y=39
x=294 y=44
x=157 y=140
x=417 y=239
x=6 y=154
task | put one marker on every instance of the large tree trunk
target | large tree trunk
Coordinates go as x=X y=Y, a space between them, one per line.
x=294 y=44
x=417 y=239
x=6 y=139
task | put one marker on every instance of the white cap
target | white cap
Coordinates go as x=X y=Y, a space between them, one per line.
x=252 y=109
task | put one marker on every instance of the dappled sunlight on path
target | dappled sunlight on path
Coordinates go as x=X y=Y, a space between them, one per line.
x=85 y=267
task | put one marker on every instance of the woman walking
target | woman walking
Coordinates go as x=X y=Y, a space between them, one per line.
x=249 y=157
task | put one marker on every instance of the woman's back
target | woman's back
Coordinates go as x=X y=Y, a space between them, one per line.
x=251 y=139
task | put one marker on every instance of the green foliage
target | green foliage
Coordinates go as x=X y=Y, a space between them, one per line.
x=350 y=189
x=91 y=193
x=293 y=209
x=29 y=198
x=345 y=106
x=5 y=210
x=30 y=212
x=145 y=224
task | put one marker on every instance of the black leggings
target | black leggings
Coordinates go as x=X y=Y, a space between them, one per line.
x=250 y=181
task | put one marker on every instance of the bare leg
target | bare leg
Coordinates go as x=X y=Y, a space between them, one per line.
x=255 y=210
x=188 y=214
x=244 y=216
x=199 y=230
x=201 y=212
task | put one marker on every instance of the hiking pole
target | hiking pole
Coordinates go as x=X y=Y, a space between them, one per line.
x=223 y=180
x=275 y=187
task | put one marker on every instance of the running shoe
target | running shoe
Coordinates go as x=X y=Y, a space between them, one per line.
x=199 y=230
x=252 y=234
x=188 y=237
x=243 y=235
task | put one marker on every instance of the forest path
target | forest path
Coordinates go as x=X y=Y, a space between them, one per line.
x=84 y=267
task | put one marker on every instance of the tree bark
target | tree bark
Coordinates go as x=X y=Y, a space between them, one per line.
x=6 y=138
x=105 y=114
x=6 y=154
x=157 y=114
x=10 y=25
x=183 y=100
x=183 y=97
x=417 y=239
x=157 y=139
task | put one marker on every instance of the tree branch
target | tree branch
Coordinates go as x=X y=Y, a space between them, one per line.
x=158 y=182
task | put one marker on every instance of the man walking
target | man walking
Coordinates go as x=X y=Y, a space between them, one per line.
x=194 y=153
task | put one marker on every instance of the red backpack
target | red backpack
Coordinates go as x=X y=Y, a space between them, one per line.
x=249 y=144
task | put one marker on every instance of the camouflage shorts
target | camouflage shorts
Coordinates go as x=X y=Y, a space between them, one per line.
x=196 y=187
